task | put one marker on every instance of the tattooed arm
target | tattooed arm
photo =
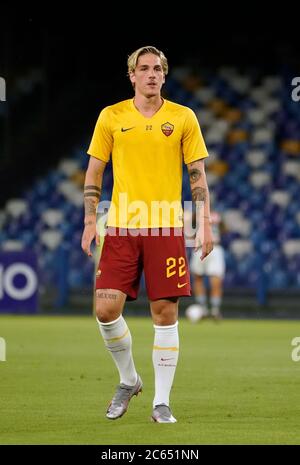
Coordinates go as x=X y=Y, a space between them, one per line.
x=92 y=193
x=200 y=196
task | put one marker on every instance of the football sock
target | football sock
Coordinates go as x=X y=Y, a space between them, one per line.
x=117 y=339
x=215 y=305
x=201 y=300
x=164 y=357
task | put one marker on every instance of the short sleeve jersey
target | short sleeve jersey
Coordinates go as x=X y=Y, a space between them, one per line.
x=147 y=159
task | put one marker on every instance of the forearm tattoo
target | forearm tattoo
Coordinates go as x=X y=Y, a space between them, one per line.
x=90 y=204
x=93 y=188
x=90 y=207
x=195 y=175
x=199 y=194
x=92 y=191
x=91 y=194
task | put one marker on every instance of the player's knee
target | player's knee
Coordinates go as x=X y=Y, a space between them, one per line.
x=166 y=313
x=166 y=318
x=107 y=311
x=105 y=315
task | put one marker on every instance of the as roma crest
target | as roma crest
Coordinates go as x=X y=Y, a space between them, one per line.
x=167 y=128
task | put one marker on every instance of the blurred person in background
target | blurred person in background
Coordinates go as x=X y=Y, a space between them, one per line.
x=148 y=138
x=212 y=267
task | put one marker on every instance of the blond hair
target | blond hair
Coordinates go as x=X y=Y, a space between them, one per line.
x=133 y=58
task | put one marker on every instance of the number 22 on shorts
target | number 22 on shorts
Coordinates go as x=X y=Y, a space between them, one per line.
x=173 y=265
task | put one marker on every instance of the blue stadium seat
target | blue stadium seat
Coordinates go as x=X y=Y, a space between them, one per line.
x=267 y=247
x=278 y=279
x=28 y=237
x=67 y=229
x=75 y=278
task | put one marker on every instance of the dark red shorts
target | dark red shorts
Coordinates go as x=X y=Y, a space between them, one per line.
x=162 y=257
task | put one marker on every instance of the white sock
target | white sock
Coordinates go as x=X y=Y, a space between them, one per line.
x=215 y=305
x=117 y=339
x=164 y=357
x=201 y=300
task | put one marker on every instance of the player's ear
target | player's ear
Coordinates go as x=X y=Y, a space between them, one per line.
x=132 y=77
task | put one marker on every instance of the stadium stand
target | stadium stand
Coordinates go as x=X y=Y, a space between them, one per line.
x=251 y=128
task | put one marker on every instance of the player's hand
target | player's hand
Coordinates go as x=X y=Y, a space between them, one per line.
x=89 y=233
x=204 y=239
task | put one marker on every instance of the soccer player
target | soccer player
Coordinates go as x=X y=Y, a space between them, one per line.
x=148 y=138
x=213 y=267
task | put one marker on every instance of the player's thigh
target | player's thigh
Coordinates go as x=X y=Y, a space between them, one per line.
x=165 y=265
x=120 y=264
x=109 y=304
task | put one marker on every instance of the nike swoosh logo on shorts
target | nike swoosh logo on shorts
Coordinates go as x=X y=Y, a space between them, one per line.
x=126 y=129
x=181 y=285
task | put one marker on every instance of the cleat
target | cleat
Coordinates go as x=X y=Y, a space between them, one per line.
x=120 y=401
x=162 y=414
x=216 y=314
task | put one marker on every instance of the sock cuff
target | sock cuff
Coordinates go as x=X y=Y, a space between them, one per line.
x=215 y=301
x=166 y=327
x=201 y=299
x=109 y=323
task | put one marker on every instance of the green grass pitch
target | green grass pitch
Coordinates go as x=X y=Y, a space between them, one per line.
x=235 y=383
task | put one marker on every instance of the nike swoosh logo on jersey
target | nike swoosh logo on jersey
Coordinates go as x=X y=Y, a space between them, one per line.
x=181 y=285
x=126 y=129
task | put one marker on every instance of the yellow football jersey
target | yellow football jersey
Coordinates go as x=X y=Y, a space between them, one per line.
x=147 y=155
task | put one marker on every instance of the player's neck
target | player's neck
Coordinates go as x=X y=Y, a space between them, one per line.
x=148 y=106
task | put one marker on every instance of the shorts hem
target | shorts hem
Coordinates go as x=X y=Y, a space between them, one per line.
x=218 y=275
x=171 y=294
